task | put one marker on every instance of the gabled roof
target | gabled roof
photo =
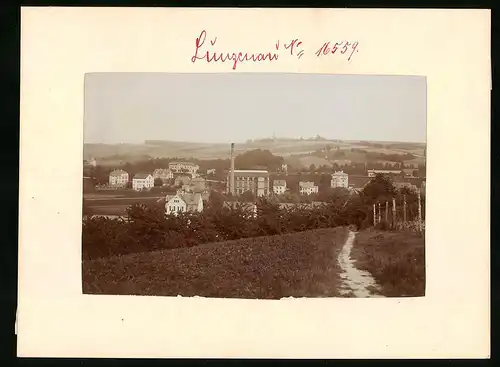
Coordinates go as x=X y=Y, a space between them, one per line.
x=191 y=199
x=251 y=173
x=340 y=173
x=306 y=184
x=141 y=176
x=279 y=183
x=118 y=172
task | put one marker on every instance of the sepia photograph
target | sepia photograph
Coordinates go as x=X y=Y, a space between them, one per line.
x=254 y=185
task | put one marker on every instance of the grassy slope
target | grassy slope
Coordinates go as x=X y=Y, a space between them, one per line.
x=395 y=259
x=300 y=265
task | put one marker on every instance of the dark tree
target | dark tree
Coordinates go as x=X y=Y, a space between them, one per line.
x=247 y=196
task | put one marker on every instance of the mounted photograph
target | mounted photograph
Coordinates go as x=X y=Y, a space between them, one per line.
x=254 y=185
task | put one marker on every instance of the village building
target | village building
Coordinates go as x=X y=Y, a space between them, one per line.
x=340 y=179
x=307 y=188
x=118 y=178
x=211 y=171
x=164 y=174
x=183 y=202
x=279 y=187
x=255 y=181
x=143 y=181
x=184 y=167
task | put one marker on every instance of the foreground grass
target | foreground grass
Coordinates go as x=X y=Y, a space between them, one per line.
x=395 y=259
x=302 y=264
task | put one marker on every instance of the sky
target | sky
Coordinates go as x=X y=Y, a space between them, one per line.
x=235 y=107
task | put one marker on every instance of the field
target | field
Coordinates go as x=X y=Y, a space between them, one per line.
x=395 y=259
x=301 y=264
x=112 y=154
x=114 y=205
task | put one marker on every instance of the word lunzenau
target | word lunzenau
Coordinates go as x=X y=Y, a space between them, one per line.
x=201 y=53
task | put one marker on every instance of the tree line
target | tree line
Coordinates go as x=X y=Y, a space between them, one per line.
x=148 y=228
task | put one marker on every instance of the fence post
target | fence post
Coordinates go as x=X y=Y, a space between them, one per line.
x=404 y=208
x=379 y=216
x=387 y=212
x=393 y=212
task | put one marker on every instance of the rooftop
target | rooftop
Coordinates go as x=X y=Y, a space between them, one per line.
x=141 y=176
x=279 y=183
x=118 y=172
x=339 y=173
x=242 y=172
x=306 y=184
x=188 y=198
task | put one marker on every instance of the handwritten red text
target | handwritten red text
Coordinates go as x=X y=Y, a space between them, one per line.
x=233 y=57
x=343 y=47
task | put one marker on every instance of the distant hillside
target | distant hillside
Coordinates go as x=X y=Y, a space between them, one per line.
x=107 y=153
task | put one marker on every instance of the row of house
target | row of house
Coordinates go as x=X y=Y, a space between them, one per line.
x=144 y=181
x=257 y=182
x=120 y=178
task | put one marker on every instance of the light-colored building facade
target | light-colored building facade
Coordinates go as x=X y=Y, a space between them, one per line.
x=255 y=181
x=164 y=174
x=340 y=179
x=143 y=181
x=211 y=171
x=183 y=202
x=118 y=178
x=374 y=172
x=184 y=167
x=307 y=188
x=279 y=187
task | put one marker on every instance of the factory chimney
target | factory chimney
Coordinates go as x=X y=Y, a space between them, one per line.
x=231 y=173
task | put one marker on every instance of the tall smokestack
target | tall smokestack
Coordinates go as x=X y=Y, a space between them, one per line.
x=231 y=182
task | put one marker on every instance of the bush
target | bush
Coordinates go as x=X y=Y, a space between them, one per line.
x=148 y=228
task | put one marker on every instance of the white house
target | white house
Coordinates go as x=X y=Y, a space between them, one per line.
x=307 y=188
x=183 y=202
x=184 y=167
x=142 y=181
x=279 y=187
x=118 y=178
x=211 y=171
x=340 y=179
